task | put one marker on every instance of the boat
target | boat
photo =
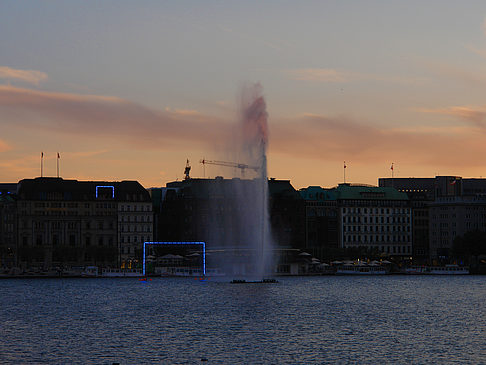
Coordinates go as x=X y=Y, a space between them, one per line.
x=437 y=270
x=121 y=273
x=360 y=270
x=263 y=281
x=90 y=272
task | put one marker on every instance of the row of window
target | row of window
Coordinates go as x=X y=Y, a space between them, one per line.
x=376 y=210
x=136 y=208
x=137 y=218
x=72 y=240
x=375 y=238
x=354 y=219
x=135 y=239
x=144 y=228
x=376 y=228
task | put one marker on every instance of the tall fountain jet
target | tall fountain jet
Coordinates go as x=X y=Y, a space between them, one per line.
x=238 y=228
x=253 y=148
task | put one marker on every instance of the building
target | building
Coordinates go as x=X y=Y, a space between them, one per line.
x=8 y=225
x=443 y=208
x=223 y=212
x=376 y=218
x=69 y=222
x=321 y=221
x=451 y=217
x=430 y=187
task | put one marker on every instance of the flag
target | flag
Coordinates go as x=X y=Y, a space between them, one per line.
x=58 y=155
x=391 y=168
x=344 y=164
x=42 y=154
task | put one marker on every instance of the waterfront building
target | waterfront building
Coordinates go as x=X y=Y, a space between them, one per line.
x=209 y=210
x=70 y=222
x=451 y=217
x=378 y=218
x=321 y=221
x=443 y=207
x=8 y=225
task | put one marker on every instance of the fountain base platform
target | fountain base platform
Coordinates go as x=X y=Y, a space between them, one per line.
x=264 y=281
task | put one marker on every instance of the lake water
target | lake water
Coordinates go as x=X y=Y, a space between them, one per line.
x=300 y=320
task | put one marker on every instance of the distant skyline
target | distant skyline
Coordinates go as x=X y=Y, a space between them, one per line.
x=129 y=90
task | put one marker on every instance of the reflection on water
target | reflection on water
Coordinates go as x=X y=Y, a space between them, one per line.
x=299 y=320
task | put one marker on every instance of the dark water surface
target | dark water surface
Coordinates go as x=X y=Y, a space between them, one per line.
x=389 y=319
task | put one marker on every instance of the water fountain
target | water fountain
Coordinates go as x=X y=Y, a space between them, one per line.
x=250 y=237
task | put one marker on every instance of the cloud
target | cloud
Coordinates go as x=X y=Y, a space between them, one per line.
x=329 y=75
x=457 y=73
x=107 y=117
x=4 y=146
x=308 y=136
x=475 y=115
x=30 y=76
x=341 y=138
x=182 y=112
x=319 y=75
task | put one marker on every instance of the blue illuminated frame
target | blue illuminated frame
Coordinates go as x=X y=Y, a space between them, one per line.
x=106 y=186
x=177 y=243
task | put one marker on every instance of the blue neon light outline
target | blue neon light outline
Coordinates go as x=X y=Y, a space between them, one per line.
x=106 y=186
x=176 y=243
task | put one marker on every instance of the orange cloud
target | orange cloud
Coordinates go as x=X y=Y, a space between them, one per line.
x=30 y=76
x=105 y=116
x=472 y=114
x=304 y=137
x=4 y=146
x=329 y=75
x=341 y=138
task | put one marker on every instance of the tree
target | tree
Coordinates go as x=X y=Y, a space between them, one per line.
x=471 y=244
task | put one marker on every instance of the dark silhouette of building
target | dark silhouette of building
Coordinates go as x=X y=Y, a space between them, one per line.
x=443 y=208
x=321 y=237
x=208 y=210
x=8 y=225
x=70 y=222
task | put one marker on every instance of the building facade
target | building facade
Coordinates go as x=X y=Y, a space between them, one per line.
x=8 y=225
x=443 y=208
x=377 y=218
x=451 y=217
x=69 y=222
x=321 y=221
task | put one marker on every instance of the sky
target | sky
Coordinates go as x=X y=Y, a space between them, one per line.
x=127 y=90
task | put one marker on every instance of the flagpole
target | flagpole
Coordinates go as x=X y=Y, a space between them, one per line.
x=58 y=157
x=392 y=173
x=344 y=171
x=42 y=164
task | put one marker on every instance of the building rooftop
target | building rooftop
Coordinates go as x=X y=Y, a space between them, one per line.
x=362 y=192
x=51 y=188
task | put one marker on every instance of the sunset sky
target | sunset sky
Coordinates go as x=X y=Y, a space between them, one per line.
x=130 y=90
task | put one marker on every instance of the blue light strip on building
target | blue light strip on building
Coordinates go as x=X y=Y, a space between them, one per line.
x=177 y=243
x=106 y=186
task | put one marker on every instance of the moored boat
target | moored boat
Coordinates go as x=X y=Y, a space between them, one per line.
x=360 y=270
x=437 y=270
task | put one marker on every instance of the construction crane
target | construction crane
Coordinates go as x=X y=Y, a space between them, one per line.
x=236 y=165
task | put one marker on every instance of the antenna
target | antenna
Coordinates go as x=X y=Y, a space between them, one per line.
x=187 y=170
